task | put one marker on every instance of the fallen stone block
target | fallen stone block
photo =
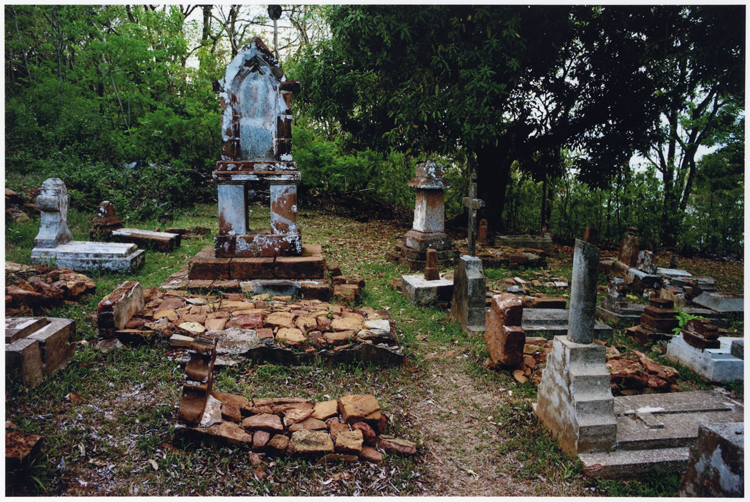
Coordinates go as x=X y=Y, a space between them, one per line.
x=57 y=343
x=392 y=445
x=157 y=241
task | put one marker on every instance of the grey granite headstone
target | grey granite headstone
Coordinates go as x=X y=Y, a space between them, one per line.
x=583 y=293
x=467 y=306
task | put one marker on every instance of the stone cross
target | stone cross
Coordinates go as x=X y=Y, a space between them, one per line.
x=53 y=204
x=473 y=204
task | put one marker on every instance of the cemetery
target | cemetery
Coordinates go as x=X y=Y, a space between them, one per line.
x=260 y=321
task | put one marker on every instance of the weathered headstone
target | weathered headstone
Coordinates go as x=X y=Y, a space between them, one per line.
x=629 y=248
x=431 y=271
x=54 y=242
x=467 y=306
x=590 y=235
x=53 y=202
x=575 y=401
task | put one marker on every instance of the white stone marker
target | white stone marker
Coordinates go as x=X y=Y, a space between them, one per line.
x=54 y=242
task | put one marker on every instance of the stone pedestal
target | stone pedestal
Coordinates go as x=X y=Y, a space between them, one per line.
x=467 y=306
x=575 y=401
x=422 y=292
x=428 y=230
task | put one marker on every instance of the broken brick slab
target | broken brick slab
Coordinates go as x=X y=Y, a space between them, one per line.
x=21 y=449
x=157 y=241
x=117 y=308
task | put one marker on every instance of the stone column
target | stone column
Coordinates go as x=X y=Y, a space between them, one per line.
x=53 y=204
x=583 y=293
x=467 y=306
x=232 y=208
x=429 y=209
x=283 y=207
x=575 y=400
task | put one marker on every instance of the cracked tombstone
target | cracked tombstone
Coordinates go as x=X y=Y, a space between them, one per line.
x=575 y=400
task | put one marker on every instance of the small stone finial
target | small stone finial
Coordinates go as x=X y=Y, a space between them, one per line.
x=53 y=204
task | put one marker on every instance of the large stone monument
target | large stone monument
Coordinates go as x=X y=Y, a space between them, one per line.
x=54 y=243
x=256 y=129
x=575 y=401
x=428 y=229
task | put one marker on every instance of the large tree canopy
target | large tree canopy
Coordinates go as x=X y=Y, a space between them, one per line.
x=505 y=83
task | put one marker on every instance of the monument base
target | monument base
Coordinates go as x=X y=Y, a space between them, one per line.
x=309 y=265
x=575 y=401
x=92 y=256
x=422 y=241
x=260 y=244
x=422 y=292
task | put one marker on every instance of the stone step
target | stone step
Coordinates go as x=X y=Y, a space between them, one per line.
x=594 y=405
x=549 y=323
x=624 y=464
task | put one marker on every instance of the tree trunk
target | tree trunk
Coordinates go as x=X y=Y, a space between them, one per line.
x=493 y=170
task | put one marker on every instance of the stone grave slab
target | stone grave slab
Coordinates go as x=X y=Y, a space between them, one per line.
x=721 y=302
x=92 y=256
x=716 y=365
x=158 y=241
x=549 y=323
x=656 y=431
x=54 y=244
x=673 y=272
x=422 y=292
x=543 y=242
x=707 y=284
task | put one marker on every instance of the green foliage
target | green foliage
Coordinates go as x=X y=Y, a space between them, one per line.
x=683 y=318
